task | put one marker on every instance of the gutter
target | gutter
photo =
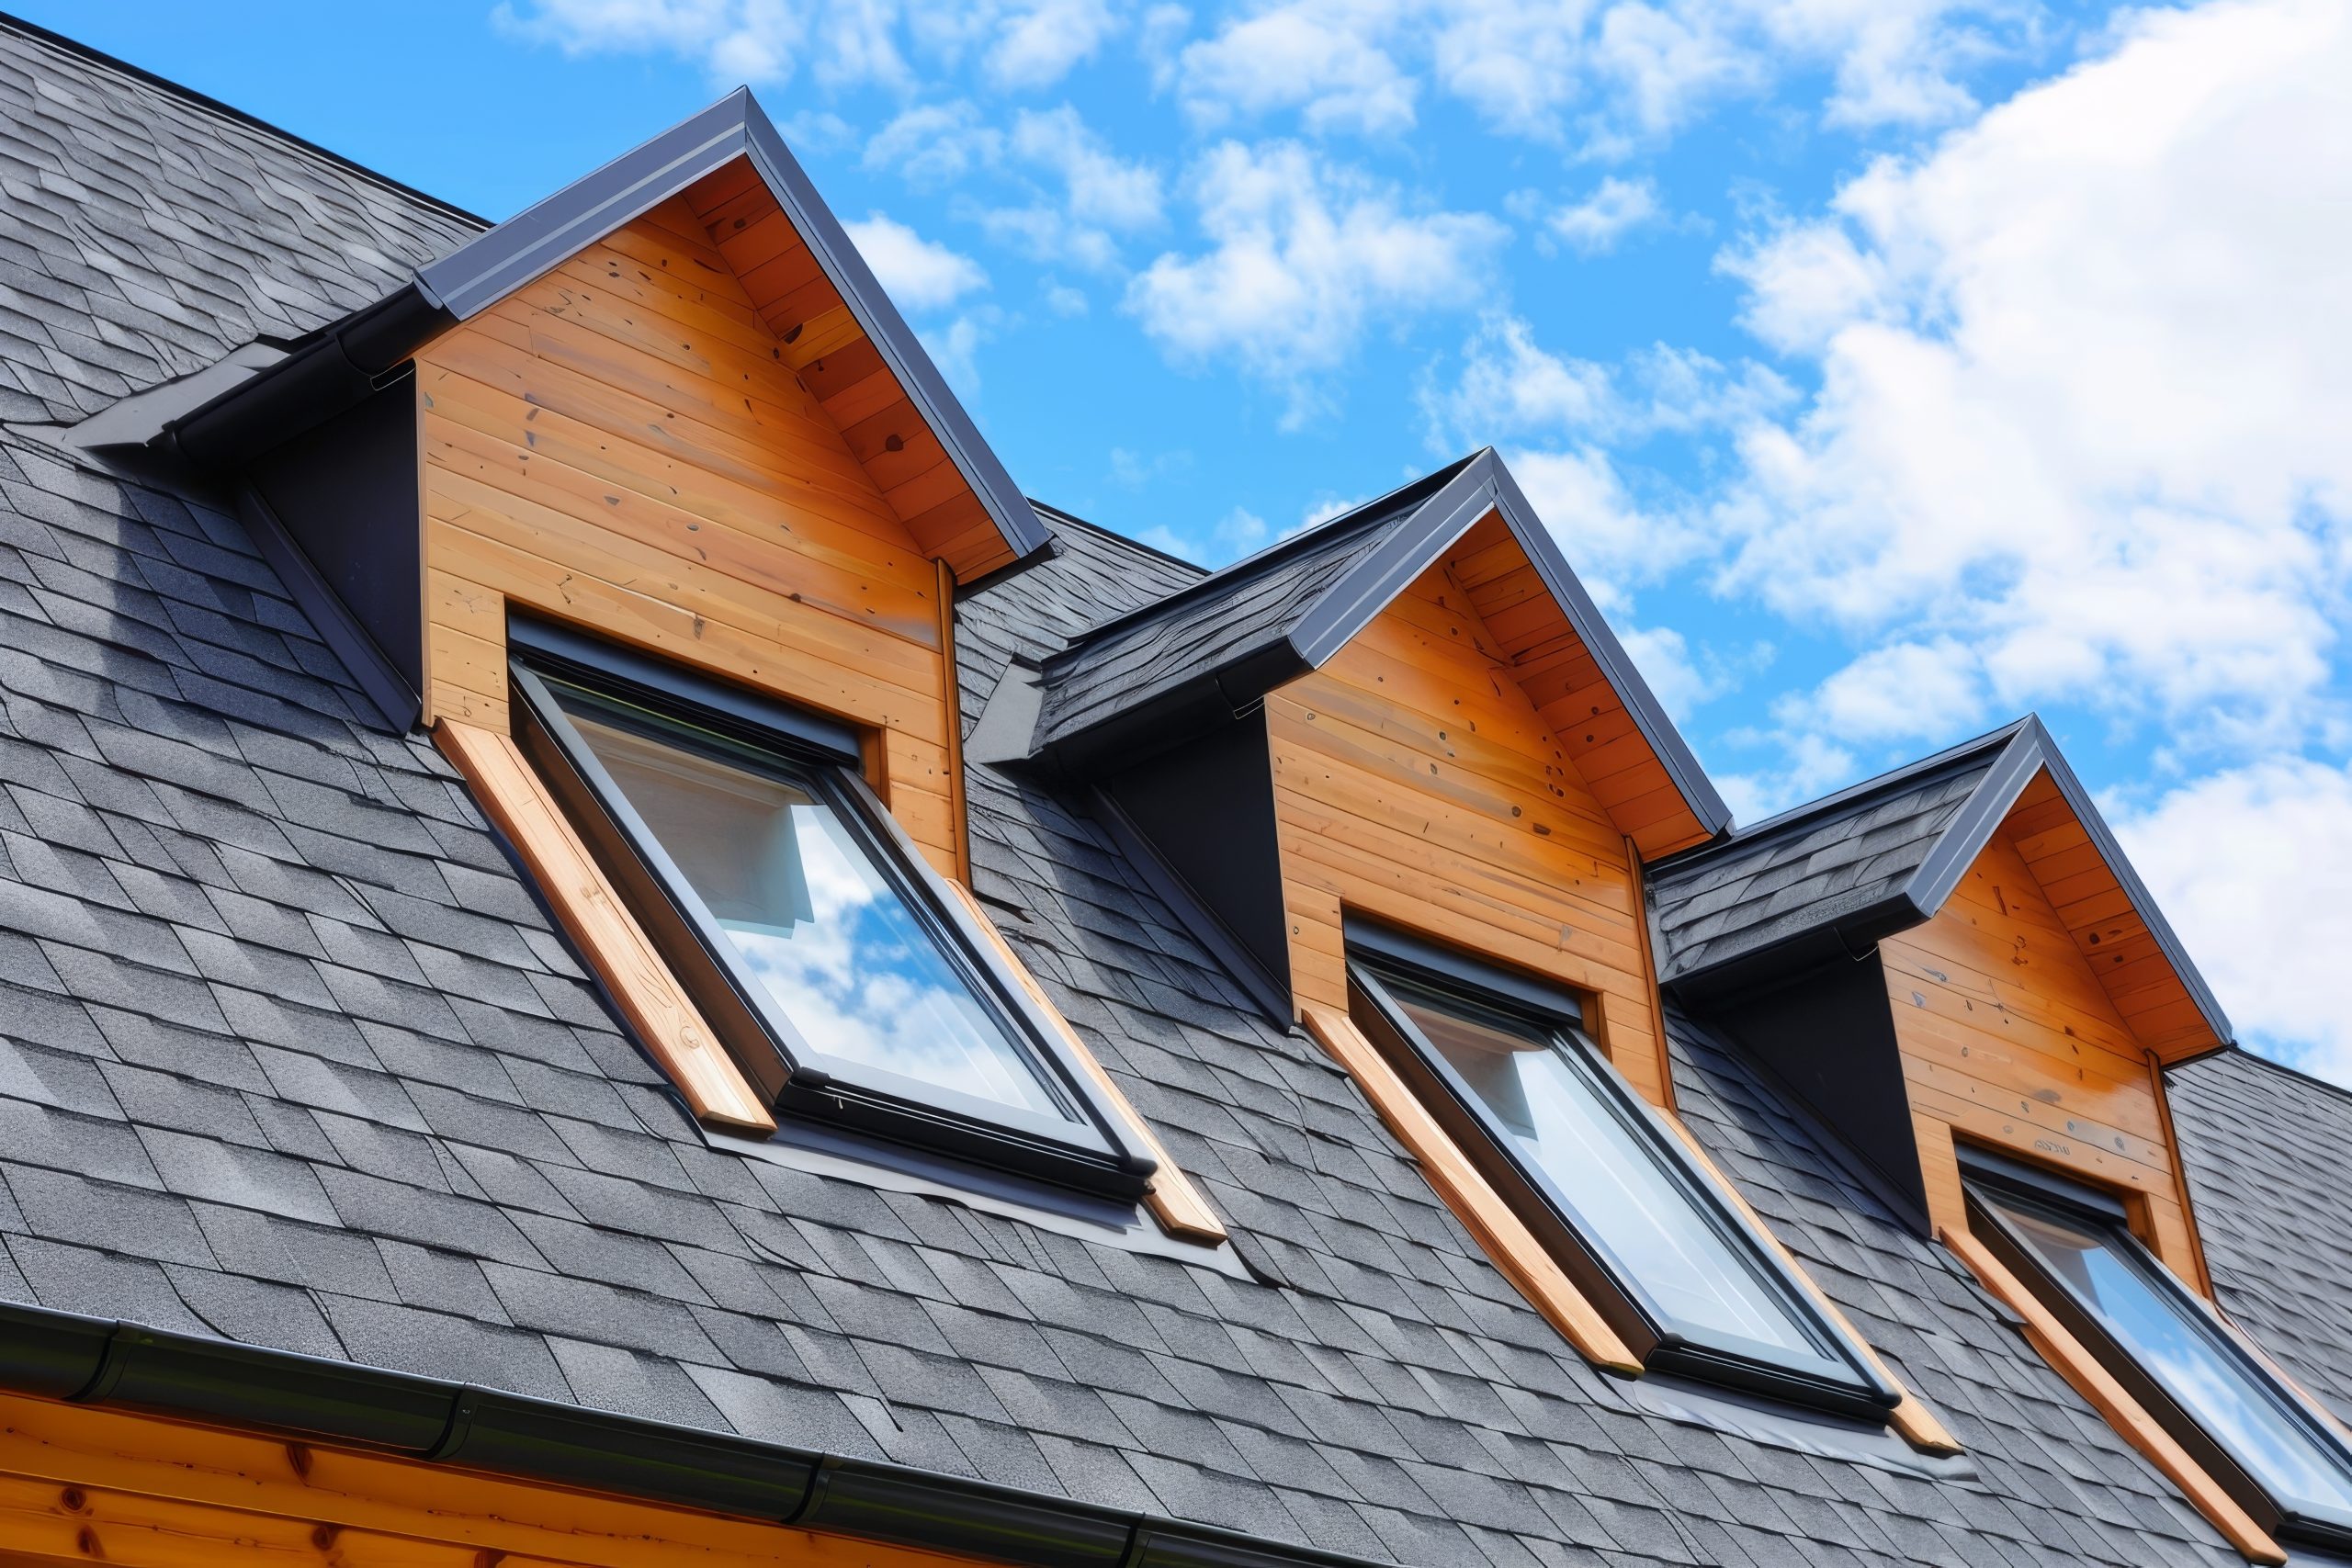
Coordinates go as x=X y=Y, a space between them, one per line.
x=110 y=1364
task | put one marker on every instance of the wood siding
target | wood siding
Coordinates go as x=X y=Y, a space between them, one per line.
x=2009 y=1041
x=625 y=443
x=2108 y=931
x=1584 y=712
x=1416 y=783
x=82 y=1486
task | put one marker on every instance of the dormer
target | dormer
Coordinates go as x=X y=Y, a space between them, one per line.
x=1957 y=968
x=1956 y=950
x=649 y=507
x=1412 y=714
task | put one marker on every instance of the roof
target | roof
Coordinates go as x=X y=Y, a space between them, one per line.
x=150 y=232
x=289 y=1058
x=1840 y=859
x=1219 y=643
x=1204 y=630
x=2265 y=1147
x=1838 y=875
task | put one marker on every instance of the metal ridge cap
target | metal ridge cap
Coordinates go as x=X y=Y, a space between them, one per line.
x=501 y=259
x=113 y=1364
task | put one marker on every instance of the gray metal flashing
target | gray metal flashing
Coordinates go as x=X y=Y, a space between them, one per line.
x=113 y=1364
x=1966 y=835
x=900 y=349
x=1348 y=605
x=1615 y=663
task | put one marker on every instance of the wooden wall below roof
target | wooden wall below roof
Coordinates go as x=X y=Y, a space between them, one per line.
x=2009 y=1041
x=622 y=444
x=1414 y=783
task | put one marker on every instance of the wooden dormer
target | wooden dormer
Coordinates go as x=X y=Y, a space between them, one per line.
x=669 y=403
x=1958 y=951
x=1413 y=715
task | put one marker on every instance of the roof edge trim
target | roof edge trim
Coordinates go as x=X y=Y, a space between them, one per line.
x=110 y=1364
x=1616 y=665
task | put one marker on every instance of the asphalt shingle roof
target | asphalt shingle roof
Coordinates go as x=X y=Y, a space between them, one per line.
x=1787 y=876
x=1208 y=622
x=2264 y=1149
x=290 y=1055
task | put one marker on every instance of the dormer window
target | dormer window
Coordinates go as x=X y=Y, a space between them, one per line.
x=1505 y=1065
x=2073 y=1247
x=842 y=980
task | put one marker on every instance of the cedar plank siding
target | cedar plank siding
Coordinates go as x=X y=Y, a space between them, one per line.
x=622 y=443
x=2009 y=1041
x=1414 y=783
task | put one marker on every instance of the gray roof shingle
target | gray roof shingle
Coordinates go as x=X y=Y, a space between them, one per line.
x=2264 y=1149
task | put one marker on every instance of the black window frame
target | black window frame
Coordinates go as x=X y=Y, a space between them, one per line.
x=1658 y=1340
x=1094 y=1150
x=1991 y=1180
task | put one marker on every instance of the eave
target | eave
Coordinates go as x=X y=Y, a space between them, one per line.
x=108 y=1364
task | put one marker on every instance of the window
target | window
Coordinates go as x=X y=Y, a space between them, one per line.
x=1504 y=1063
x=840 y=975
x=2253 y=1435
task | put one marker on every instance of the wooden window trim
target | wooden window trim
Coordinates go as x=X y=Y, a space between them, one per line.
x=1171 y=1196
x=1911 y=1416
x=1842 y=1376
x=2074 y=1361
x=518 y=803
x=1498 y=1230
x=2003 y=1178
x=1090 y=1149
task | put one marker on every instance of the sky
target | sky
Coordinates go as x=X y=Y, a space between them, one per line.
x=1888 y=368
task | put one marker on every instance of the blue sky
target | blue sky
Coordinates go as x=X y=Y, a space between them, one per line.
x=1888 y=367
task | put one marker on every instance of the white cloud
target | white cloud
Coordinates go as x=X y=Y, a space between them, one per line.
x=2085 y=375
x=1316 y=57
x=1302 y=253
x=2249 y=865
x=1021 y=44
x=1103 y=188
x=935 y=144
x=1039 y=42
x=918 y=273
x=1907 y=691
x=1595 y=224
x=1666 y=661
x=955 y=347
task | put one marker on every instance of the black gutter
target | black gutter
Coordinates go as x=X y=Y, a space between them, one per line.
x=114 y=1365
x=329 y=373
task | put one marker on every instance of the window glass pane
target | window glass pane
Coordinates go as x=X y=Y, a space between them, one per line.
x=814 y=919
x=2165 y=1334
x=1550 y=1106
